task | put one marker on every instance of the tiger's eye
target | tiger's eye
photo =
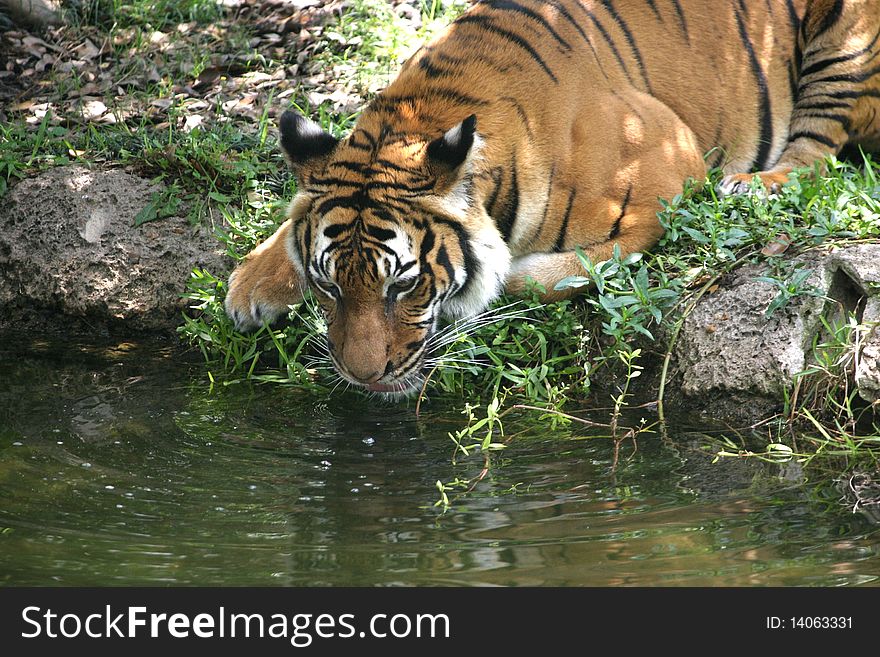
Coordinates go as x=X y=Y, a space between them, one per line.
x=402 y=285
x=328 y=288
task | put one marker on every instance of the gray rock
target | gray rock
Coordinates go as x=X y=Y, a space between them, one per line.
x=868 y=368
x=68 y=247
x=36 y=13
x=731 y=356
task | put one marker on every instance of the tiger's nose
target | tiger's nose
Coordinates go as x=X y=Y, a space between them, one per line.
x=364 y=366
x=362 y=377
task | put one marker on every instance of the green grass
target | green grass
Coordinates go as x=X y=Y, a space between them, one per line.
x=378 y=40
x=153 y=14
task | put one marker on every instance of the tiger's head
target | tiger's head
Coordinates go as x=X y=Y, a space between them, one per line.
x=388 y=236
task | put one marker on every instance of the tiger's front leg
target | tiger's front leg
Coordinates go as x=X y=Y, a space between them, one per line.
x=264 y=284
x=638 y=230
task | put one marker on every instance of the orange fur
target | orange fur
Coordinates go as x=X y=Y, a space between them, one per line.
x=587 y=112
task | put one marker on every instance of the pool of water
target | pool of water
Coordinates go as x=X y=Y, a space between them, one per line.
x=120 y=466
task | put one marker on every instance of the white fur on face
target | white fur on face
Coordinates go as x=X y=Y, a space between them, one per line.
x=297 y=206
x=319 y=249
x=402 y=246
x=493 y=258
x=487 y=246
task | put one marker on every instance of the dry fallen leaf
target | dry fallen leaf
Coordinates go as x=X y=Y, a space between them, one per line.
x=777 y=246
x=192 y=122
x=88 y=89
x=93 y=109
x=87 y=50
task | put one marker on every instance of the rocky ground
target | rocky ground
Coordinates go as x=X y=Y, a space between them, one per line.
x=742 y=364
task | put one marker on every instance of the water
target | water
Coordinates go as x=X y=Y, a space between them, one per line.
x=118 y=466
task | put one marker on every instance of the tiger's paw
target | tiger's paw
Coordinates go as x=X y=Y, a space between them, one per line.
x=741 y=183
x=261 y=289
x=250 y=301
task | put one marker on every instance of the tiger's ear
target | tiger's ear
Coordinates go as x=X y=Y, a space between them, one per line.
x=303 y=141
x=451 y=150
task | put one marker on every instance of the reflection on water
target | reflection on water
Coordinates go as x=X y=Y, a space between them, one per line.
x=118 y=466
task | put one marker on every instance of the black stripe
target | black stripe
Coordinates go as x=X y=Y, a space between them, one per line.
x=497 y=176
x=426 y=246
x=400 y=186
x=511 y=204
x=359 y=146
x=765 y=117
x=630 y=39
x=821 y=106
x=471 y=264
x=370 y=139
x=388 y=164
x=335 y=230
x=563 y=228
x=332 y=181
x=351 y=202
x=452 y=59
x=306 y=242
x=405 y=366
x=482 y=22
x=467 y=43
x=386 y=101
x=383 y=247
x=520 y=110
x=444 y=261
x=431 y=70
x=580 y=30
x=414 y=189
x=608 y=40
x=792 y=80
x=864 y=93
x=403 y=268
x=830 y=18
x=403 y=205
x=806 y=134
x=615 y=229
x=356 y=167
x=655 y=10
x=793 y=21
x=679 y=12
x=381 y=234
x=815 y=67
x=851 y=78
x=510 y=5
x=380 y=208
x=842 y=119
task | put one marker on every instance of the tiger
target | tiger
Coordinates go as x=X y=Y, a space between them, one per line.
x=529 y=130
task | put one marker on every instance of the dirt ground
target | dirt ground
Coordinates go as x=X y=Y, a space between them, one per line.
x=92 y=72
